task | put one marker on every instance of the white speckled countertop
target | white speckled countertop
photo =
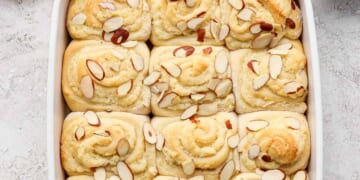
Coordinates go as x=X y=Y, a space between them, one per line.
x=24 y=33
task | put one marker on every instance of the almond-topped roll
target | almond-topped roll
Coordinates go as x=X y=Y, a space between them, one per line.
x=101 y=76
x=189 y=80
x=260 y=23
x=273 y=142
x=187 y=22
x=112 y=20
x=270 y=79
x=199 y=146
x=102 y=145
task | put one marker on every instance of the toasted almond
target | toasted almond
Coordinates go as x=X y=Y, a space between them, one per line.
x=189 y=112
x=124 y=171
x=242 y=143
x=237 y=4
x=149 y=133
x=255 y=28
x=181 y=25
x=233 y=141
x=254 y=151
x=183 y=51
x=292 y=87
x=197 y=97
x=159 y=87
x=133 y=3
x=207 y=109
x=227 y=171
x=190 y=3
x=200 y=35
x=160 y=142
x=100 y=173
x=107 y=36
x=256 y=125
x=123 y=147
x=167 y=100
x=300 y=175
x=213 y=83
x=87 y=86
x=114 y=178
x=292 y=123
x=107 y=5
x=273 y=175
x=254 y=66
x=223 y=88
x=129 y=44
x=79 y=133
x=194 y=23
x=246 y=14
x=188 y=167
x=137 y=62
x=260 y=81
x=172 y=69
x=95 y=69
x=125 y=88
x=79 y=19
x=266 y=26
x=224 y=31
x=197 y=178
x=92 y=118
x=221 y=62
x=275 y=66
x=228 y=124
x=113 y=24
x=290 y=23
x=281 y=49
x=120 y=36
x=214 y=29
x=262 y=40
x=207 y=50
x=152 y=78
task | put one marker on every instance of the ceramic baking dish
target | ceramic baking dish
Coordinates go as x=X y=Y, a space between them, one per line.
x=57 y=110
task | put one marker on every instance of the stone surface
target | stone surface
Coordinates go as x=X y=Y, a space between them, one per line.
x=24 y=33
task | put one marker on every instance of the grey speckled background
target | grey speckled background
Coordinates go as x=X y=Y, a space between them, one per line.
x=24 y=33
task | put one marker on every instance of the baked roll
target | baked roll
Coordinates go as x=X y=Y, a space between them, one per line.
x=111 y=20
x=270 y=79
x=194 y=22
x=101 y=76
x=195 y=147
x=105 y=144
x=259 y=24
x=273 y=140
x=190 y=80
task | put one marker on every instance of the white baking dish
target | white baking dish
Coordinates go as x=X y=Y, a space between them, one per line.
x=56 y=108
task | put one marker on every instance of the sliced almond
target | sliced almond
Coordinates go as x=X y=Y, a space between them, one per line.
x=233 y=141
x=123 y=147
x=214 y=29
x=149 y=133
x=120 y=36
x=181 y=25
x=152 y=78
x=160 y=142
x=207 y=109
x=254 y=66
x=213 y=83
x=254 y=151
x=124 y=171
x=292 y=87
x=167 y=100
x=92 y=118
x=133 y=3
x=95 y=69
x=201 y=14
x=194 y=120
x=221 y=62
x=224 y=31
x=256 y=125
x=266 y=26
x=114 y=178
x=300 y=175
x=118 y=55
x=255 y=28
x=228 y=124
x=246 y=14
x=102 y=132
x=237 y=4
x=227 y=171
x=129 y=44
x=183 y=51
x=223 y=88
x=161 y=96
x=197 y=97
x=189 y=112
x=107 y=36
x=259 y=171
x=273 y=175
x=107 y=5
x=260 y=81
x=242 y=143
x=87 y=86
x=281 y=49
x=137 y=62
x=172 y=69
x=236 y=159
x=159 y=87
x=263 y=40
x=188 y=167
x=100 y=173
x=115 y=67
x=190 y=3
x=194 y=23
x=302 y=76
x=207 y=50
x=113 y=24
x=275 y=66
x=200 y=35
x=166 y=178
x=197 y=178
x=125 y=88
x=79 y=19
x=79 y=133
x=292 y=123
x=290 y=23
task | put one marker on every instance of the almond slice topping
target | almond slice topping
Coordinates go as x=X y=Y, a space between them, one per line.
x=194 y=23
x=254 y=66
x=114 y=178
x=102 y=132
x=118 y=55
x=223 y=88
x=189 y=112
x=260 y=81
x=113 y=24
x=125 y=88
x=166 y=178
x=227 y=171
x=159 y=87
x=124 y=171
x=197 y=97
x=152 y=78
x=256 y=125
x=149 y=133
x=263 y=40
x=254 y=151
x=290 y=23
x=207 y=109
x=79 y=133
x=92 y=118
x=292 y=87
x=214 y=29
x=190 y=3
x=301 y=75
x=200 y=35
x=181 y=25
x=79 y=19
x=233 y=141
x=120 y=36
x=255 y=28
x=160 y=142
x=224 y=31
x=300 y=175
x=100 y=173
x=129 y=44
x=236 y=159
x=273 y=175
x=197 y=178
x=221 y=62
x=275 y=66
x=183 y=51
x=107 y=36
x=107 y=5
x=213 y=83
x=87 y=86
x=133 y=3
x=188 y=167
x=172 y=69
x=237 y=4
x=123 y=147
x=137 y=62
x=246 y=14
x=281 y=49
x=292 y=123
x=95 y=69
x=167 y=100
x=242 y=143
